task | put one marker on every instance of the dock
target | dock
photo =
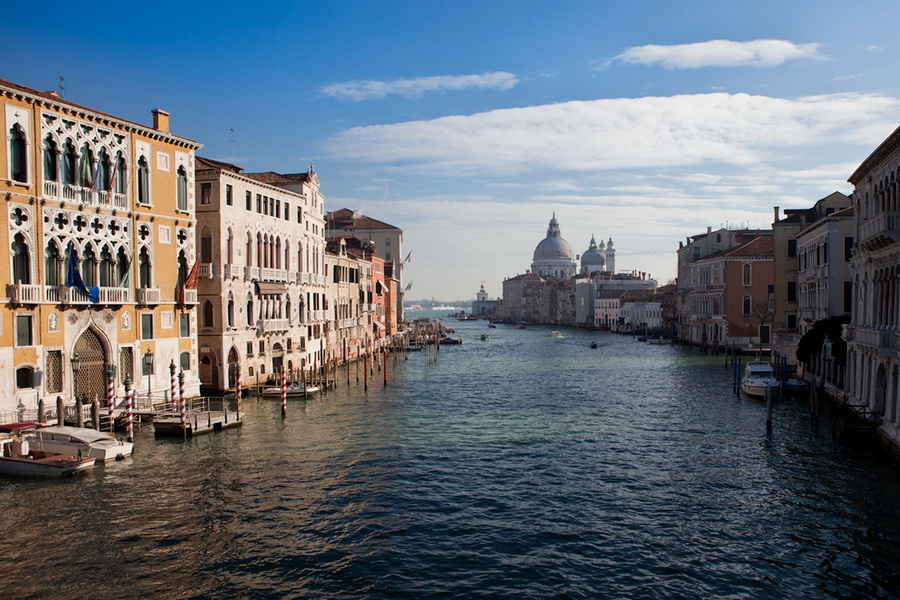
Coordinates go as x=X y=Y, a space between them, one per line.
x=199 y=418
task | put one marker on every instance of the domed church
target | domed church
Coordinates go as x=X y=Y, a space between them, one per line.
x=553 y=256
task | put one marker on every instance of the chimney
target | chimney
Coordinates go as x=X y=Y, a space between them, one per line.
x=777 y=210
x=160 y=120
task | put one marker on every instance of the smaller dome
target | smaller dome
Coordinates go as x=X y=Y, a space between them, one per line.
x=592 y=256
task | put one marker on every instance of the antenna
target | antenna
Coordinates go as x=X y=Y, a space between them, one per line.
x=232 y=145
x=62 y=86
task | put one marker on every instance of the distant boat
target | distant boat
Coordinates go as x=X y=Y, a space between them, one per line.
x=485 y=337
x=491 y=325
x=451 y=341
x=758 y=378
x=520 y=325
x=593 y=346
x=555 y=333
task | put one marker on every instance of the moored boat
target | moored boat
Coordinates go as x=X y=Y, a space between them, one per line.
x=293 y=390
x=451 y=341
x=758 y=378
x=18 y=458
x=101 y=445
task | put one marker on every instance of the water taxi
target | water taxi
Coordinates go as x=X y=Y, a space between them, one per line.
x=18 y=458
x=100 y=445
x=758 y=378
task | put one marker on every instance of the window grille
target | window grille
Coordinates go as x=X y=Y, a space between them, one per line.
x=53 y=371
x=126 y=363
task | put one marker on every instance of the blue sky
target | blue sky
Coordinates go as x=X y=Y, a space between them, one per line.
x=468 y=124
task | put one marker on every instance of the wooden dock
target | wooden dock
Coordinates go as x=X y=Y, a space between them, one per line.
x=199 y=419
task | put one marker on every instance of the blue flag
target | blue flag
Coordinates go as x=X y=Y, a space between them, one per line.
x=73 y=278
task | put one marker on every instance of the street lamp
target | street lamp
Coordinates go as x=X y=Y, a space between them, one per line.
x=148 y=363
x=76 y=366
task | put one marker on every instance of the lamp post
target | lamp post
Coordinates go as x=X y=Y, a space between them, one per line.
x=76 y=366
x=148 y=363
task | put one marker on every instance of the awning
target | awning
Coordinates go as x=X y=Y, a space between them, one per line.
x=378 y=323
x=270 y=288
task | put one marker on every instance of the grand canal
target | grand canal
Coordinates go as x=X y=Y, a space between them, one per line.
x=526 y=466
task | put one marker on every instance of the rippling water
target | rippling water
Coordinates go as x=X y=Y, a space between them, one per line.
x=522 y=467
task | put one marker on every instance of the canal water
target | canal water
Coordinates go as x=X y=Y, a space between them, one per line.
x=526 y=466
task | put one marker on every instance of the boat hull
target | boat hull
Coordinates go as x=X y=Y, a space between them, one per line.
x=58 y=465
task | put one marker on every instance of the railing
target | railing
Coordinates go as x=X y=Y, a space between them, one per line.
x=232 y=271
x=270 y=325
x=190 y=296
x=304 y=278
x=114 y=295
x=278 y=275
x=24 y=293
x=207 y=270
x=106 y=295
x=147 y=296
x=877 y=338
x=51 y=189
x=251 y=273
x=114 y=199
x=889 y=221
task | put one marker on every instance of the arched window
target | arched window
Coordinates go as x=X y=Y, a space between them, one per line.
x=229 y=248
x=107 y=268
x=123 y=265
x=276 y=263
x=86 y=168
x=18 y=156
x=52 y=265
x=24 y=378
x=300 y=259
x=143 y=181
x=287 y=255
x=119 y=175
x=144 y=270
x=206 y=250
x=207 y=314
x=182 y=268
x=69 y=164
x=287 y=309
x=251 y=317
x=51 y=160
x=21 y=260
x=230 y=310
x=89 y=267
x=249 y=258
x=745 y=273
x=185 y=361
x=181 y=189
x=746 y=305
x=104 y=167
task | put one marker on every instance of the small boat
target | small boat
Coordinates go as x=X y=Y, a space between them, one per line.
x=593 y=346
x=294 y=390
x=485 y=337
x=101 y=445
x=451 y=341
x=758 y=378
x=18 y=458
x=520 y=325
x=642 y=339
x=555 y=333
x=492 y=325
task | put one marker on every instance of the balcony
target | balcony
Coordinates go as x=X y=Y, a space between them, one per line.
x=23 y=293
x=885 y=225
x=231 y=271
x=251 y=273
x=304 y=278
x=274 y=275
x=273 y=325
x=207 y=270
x=147 y=296
x=111 y=199
x=51 y=189
x=107 y=295
x=190 y=296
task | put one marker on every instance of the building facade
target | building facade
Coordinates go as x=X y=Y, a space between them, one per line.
x=99 y=224
x=262 y=279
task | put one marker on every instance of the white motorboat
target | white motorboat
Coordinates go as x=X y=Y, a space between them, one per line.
x=758 y=378
x=80 y=441
x=294 y=390
x=18 y=458
x=555 y=333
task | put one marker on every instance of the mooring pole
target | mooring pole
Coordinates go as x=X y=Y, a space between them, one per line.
x=768 y=411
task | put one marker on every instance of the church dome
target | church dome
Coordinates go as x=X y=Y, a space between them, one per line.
x=592 y=257
x=553 y=246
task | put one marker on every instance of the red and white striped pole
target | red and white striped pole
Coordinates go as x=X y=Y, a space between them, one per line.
x=129 y=418
x=238 y=392
x=111 y=397
x=172 y=383
x=181 y=402
x=283 y=392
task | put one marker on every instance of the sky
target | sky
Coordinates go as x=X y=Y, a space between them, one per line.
x=470 y=124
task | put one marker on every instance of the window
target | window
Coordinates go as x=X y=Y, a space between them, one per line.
x=69 y=165
x=746 y=305
x=146 y=326
x=51 y=166
x=230 y=311
x=745 y=273
x=792 y=247
x=848 y=297
x=119 y=174
x=24 y=336
x=85 y=168
x=181 y=189
x=259 y=203
x=185 y=361
x=89 y=267
x=229 y=199
x=277 y=209
x=184 y=325
x=287 y=211
x=24 y=378
x=249 y=348
x=299 y=214
x=262 y=346
x=206 y=249
x=848 y=248
x=18 y=165
x=207 y=315
x=107 y=268
x=792 y=321
x=144 y=270
x=205 y=193
x=792 y=291
x=21 y=260
x=53 y=371
x=248 y=201
x=143 y=181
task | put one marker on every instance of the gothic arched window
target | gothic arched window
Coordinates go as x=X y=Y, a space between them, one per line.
x=18 y=163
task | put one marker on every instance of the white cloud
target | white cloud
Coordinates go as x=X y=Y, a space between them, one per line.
x=416 y=88
x=630 y=133
x=720 y=53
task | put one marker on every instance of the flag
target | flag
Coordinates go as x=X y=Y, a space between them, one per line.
x=123 y=282
x=190 y=283
x=407 y=259
x=86 y=179
x=114 y=167
x=408 y=287
x=73 y=278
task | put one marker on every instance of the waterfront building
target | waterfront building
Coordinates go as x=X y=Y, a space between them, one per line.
x=349 y=297
x=387 y=243
x=520 y=298
x=873 y=335
x=553 y=256
x=99 y=225
x=591 y=285
x=262 y=285
x=482 y=306
x=700 y=295
x=786 y=317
